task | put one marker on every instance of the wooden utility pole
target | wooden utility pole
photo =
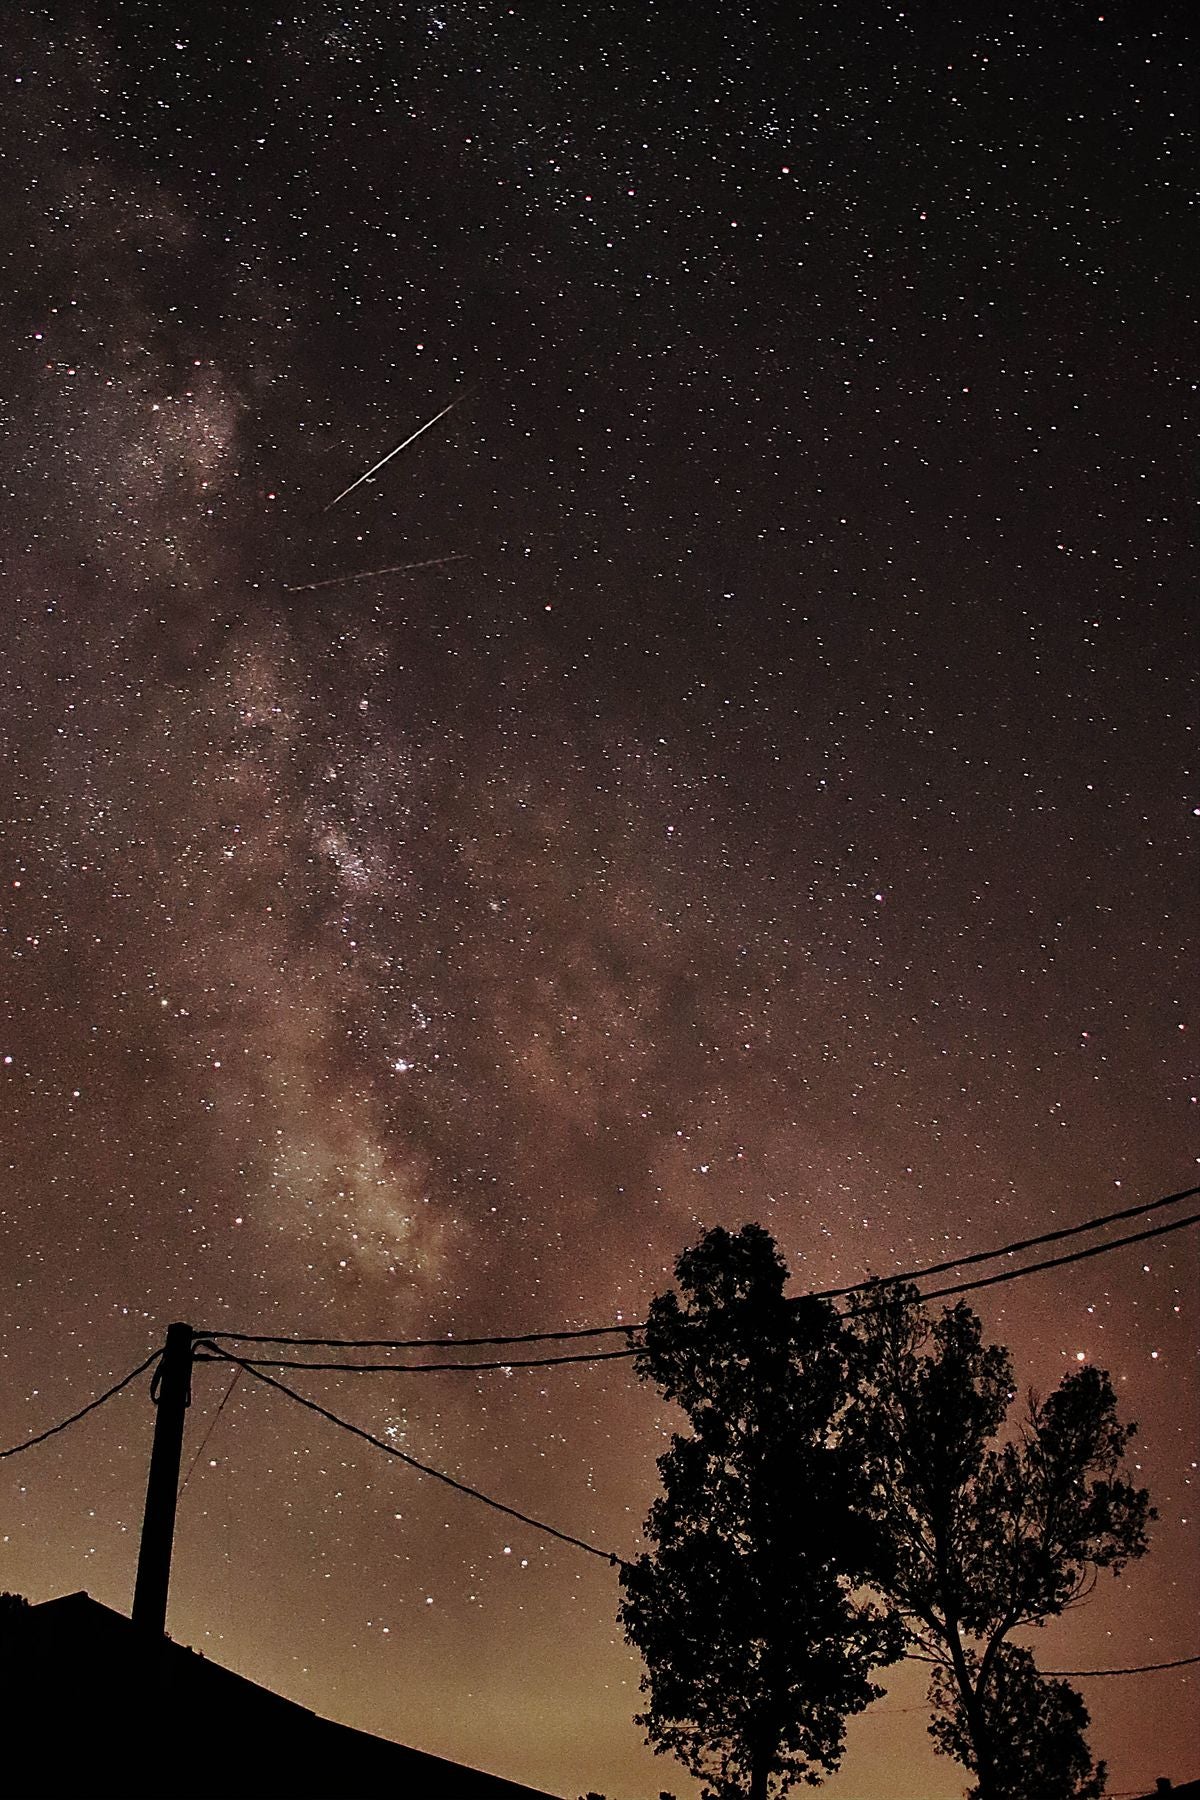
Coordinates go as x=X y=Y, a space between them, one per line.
x=171 y=1392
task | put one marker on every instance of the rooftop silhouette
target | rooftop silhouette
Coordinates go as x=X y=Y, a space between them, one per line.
x=98 y=1707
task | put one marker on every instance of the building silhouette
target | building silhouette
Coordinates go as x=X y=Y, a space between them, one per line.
x=96 y=1707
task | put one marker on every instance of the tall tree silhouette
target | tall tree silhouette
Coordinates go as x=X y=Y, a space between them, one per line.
x=981 y=1537
x=756 y=1648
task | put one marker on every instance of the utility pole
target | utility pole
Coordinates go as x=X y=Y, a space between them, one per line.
x=171 y=1391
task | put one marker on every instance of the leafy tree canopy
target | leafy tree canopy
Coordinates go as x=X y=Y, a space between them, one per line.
x=982 y=1535
x=755 y=1643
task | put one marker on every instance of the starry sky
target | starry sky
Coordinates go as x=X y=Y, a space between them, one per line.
x=769 y=799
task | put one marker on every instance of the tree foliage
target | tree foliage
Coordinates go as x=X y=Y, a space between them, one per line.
x=1036 y=1729
x=756 y=1647
x=824 y=1454
x=980 y=1537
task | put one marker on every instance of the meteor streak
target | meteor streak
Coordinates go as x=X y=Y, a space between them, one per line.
x=430 y=562
x=387 y=459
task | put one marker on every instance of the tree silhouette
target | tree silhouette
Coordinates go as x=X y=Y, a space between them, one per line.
x=980 y=1538
x=14 y=1611
x=1036 y=1730
x=756 y=1648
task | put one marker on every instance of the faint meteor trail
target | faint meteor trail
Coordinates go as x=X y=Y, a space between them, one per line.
x=430 y=562
x=387 y=459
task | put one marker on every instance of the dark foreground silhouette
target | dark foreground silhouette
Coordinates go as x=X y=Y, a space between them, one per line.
x=92 y=1707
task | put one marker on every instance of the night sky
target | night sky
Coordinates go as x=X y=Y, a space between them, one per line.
x=777 y=809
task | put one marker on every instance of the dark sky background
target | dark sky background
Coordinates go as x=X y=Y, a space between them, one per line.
x=779 y=811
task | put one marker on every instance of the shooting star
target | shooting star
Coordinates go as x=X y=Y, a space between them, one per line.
x=430 y=562
x=387 y=459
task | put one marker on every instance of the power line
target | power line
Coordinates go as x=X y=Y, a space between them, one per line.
x=100 y=1400
x=1030 y=1243
x=1180 y=1662
x=873 y=1304
x=444 y=1368
x=228 y=1394
x=442 y=1343
x=839 y=1293
x=1051 y=1262
x=460 y=1487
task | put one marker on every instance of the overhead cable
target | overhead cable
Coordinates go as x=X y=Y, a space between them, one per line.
x=1180 y=1662
x=225 y=1399
x=443 y=1368
x=1030 y=1243
x=100 y=1400
x=460 y=1487
x=838 y=1293
x=442 y=1343
x=1050 y=1262
x=871 y=1303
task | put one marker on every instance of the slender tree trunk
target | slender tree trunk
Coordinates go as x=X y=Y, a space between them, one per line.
x=762 y=1761
x=976 y=1722
x=760 y=1770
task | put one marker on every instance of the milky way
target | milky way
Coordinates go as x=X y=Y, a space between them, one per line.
x=769 y=797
